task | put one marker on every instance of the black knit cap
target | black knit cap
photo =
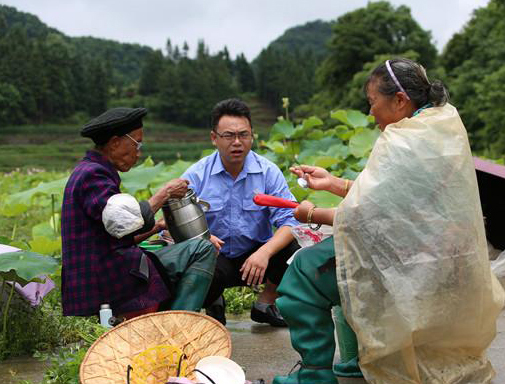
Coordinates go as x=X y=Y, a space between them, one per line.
x=114 y=122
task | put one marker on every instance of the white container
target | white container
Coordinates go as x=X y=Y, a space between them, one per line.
x=105 y=315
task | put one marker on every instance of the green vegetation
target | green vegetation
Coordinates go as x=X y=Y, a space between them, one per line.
x=183 y=90
x=311 y=36
x=286 y=68
x=46 y=76
x=474 y=64
x=358 y=38
x=43 y=329
x=125 y=60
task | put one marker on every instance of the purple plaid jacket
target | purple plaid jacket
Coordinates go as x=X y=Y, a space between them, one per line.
x=97 y=268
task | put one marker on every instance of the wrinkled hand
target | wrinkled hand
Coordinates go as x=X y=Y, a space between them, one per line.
x=317 y=178
x=160 y=225
x=176 y=188
x=253 y=269
x=302 y=211
x=217 y=242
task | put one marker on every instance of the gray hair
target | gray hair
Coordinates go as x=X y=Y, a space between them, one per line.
x=413 y=80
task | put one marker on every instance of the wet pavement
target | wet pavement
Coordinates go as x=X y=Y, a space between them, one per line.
x=262 y=351
x=17 y=369
x=265 y=352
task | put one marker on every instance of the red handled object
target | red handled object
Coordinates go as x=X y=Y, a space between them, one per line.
x=274 y=201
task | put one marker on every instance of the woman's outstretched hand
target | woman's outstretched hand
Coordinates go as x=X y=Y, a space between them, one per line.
x=317 y=178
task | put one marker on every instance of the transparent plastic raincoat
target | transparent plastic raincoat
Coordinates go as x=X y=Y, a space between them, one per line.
x=411 y=255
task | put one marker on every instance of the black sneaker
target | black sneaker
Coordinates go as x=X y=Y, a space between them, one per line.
x=270 y=316
x=217 y=310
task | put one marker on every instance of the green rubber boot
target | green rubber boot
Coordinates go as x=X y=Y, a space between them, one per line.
x=308 y=292
x=190 y=267
x=191 y=291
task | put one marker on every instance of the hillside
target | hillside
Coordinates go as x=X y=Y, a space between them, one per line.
x=293 y=56
x=125 y=59
x=310 y=36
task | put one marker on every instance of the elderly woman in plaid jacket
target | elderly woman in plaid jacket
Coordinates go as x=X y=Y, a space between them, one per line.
x=101 y=228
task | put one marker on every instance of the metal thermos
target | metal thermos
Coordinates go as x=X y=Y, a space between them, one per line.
x=185 y=217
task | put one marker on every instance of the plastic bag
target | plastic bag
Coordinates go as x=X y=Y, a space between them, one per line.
x=121 y=216
x=412 y=261
x=306 y=236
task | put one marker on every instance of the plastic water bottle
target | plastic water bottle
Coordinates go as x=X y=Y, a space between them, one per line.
x=105 y=315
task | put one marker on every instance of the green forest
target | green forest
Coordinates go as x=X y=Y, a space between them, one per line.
x=46 y=76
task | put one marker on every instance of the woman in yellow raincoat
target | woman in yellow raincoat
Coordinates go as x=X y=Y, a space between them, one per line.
x=409 y=262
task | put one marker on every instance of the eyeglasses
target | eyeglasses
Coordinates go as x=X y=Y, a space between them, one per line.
x=232 y=136
x=138 y=145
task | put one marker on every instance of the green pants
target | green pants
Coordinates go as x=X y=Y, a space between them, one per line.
x=308 y=293
x=187 y=269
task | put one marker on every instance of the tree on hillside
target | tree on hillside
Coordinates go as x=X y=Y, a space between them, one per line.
x=190 y=87
x=244 y=74
x=283 y=73
x=98 y=84
x=474 y=60
x=150 y=76
x=313 y=35
x=16 y=70
x=11 y=110
x=59 y=100
x=286 y=68
x=360 y=35
x=55 y=75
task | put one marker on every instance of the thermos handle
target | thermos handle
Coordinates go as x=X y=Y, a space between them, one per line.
x=203 y=203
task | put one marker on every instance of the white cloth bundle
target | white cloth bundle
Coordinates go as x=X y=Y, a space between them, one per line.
x=121 y=216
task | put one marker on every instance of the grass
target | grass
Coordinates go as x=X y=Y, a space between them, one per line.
x=59 y=147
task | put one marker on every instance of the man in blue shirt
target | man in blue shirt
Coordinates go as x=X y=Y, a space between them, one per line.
x=250 y=253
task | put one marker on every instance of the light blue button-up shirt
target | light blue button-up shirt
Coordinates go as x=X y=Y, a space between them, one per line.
x=233 y=216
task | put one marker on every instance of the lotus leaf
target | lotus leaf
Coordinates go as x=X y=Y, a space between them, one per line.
x=325 y=161
x=171 y=172
x=340 y=115
x=140 y=177
x=357 y=119
x=45 y=245
x=283 y=129
x=18 y=203
x=25 y=266
x=312 y=122
x=324 y=199
x=362 y=142
x=316 y=134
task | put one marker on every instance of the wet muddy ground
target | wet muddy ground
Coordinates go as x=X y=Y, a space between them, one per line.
x=263 y=352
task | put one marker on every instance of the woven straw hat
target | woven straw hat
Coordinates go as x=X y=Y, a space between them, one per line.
x=152 y=345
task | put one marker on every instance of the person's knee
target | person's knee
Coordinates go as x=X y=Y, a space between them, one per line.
x=300 y=258
x=207 y=247
x=204 y=251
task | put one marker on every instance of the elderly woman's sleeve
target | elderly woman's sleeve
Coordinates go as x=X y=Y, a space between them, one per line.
x=120 y=213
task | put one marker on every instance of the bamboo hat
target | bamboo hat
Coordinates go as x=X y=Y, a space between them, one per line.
x=152 y=345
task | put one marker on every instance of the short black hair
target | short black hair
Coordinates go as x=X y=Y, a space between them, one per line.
x=229 y=107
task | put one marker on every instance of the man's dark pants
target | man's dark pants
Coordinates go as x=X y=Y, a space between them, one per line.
x=227 y=273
